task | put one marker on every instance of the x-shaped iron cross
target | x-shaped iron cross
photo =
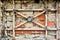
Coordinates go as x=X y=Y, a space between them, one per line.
x=30 y=19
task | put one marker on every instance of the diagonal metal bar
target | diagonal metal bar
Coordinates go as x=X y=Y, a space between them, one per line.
x=39 y=24
x=22 y=15
x=39 y=14
x=21 y=24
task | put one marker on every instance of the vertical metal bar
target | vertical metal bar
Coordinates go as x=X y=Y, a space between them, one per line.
x=46 y=20
x=13 y=25
x=13 y=21
x=57 y=20
x=46 y=25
